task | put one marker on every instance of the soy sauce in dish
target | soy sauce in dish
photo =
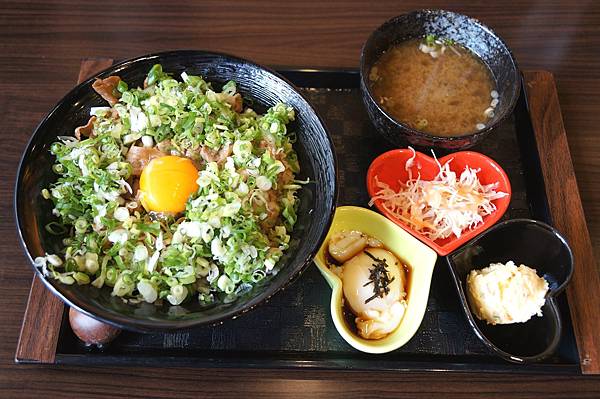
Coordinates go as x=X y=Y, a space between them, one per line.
x=374 y=283
x=435 y=86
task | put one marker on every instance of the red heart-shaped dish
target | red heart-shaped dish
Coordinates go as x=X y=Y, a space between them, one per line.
x=390 y=169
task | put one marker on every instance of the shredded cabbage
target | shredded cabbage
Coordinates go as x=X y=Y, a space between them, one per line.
x=441 y=207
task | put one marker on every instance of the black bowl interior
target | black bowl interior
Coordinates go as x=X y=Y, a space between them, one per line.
x=467 y=32
x=536 y=245
x=260 y=88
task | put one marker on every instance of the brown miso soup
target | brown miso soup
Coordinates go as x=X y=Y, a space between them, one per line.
x=444 y=90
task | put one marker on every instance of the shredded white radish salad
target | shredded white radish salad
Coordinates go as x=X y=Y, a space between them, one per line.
x=440 y=207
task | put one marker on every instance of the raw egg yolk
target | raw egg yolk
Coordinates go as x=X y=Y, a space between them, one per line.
x=166 y=184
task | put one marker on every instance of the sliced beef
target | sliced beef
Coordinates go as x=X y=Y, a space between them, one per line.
x=107 y=88
x=86 y=130
x=139 y=157
x=218 y=156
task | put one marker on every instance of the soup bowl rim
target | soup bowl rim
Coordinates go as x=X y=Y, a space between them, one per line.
x=429 y=136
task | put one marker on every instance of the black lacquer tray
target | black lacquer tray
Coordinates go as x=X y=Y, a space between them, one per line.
x=294 y=329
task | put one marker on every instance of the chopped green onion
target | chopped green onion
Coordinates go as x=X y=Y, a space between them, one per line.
x=156 y=73
x=81 y=278
x=119 y=261
x=449 y=42
x=111 y=276
x=65 y=279
x=122 y=87
x=235 y=225
x=56 y=228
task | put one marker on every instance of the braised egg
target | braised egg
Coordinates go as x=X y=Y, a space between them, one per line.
x=373 y=282
x=378 y=313
x=166 y=183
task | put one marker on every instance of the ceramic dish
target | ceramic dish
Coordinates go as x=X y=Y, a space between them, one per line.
x=258 y=85
x=416 y=254
x=536 y=245
x=389 y=168
x=466 y=31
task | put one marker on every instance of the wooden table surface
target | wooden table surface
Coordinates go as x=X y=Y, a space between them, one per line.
x=42 y=44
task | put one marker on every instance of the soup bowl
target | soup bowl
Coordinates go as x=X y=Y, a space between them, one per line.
x=264 y=88
x=463 y=30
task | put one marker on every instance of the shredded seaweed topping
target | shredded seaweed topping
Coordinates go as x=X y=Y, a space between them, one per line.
x=379 y=277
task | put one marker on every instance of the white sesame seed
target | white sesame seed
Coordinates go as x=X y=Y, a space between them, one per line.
x=480 y=126
x=494 y=94
x=494 y=103
x=489 y=112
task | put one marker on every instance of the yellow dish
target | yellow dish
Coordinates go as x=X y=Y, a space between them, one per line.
x=419 y=257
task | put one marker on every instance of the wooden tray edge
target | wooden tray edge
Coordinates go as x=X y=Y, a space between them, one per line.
x=43 y=313
x=44 y=310
x=567 y=213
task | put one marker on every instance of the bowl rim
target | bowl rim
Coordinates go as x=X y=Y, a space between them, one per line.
x=550 y=296
x=467 y=236
x=424 y=135
x=151 y=325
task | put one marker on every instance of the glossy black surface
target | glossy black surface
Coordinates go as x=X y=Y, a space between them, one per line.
x=528 y=242
x=261 y=88
x=465 y=31
x=295 y=330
